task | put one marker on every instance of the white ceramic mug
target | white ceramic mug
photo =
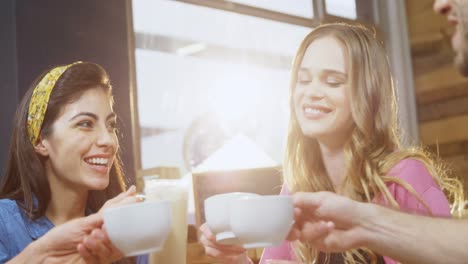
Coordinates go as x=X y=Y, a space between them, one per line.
x=262 y=221
x=217 y=215
x=138 y=228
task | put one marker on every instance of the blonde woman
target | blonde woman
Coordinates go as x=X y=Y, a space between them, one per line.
x=343 y=138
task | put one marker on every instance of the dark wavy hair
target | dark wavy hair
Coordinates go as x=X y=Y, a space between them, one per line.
x=25 y=177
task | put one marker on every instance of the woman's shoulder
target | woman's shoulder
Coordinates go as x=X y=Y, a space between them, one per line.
x=8 y=207
x=407 y=165
x=9 y=214
x=415 y=173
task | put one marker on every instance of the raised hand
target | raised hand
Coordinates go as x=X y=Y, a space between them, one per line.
x=329 y=222
x=229 y=254
x=59 y=245
x=124 y=198
x=97 y=248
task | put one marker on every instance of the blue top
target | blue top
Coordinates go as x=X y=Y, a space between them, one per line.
x=17 y=230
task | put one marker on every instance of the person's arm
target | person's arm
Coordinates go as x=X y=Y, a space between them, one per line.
x=32 y=251
x=59 y=244
x=96 y=247
x=415 y=239
x=404 y=237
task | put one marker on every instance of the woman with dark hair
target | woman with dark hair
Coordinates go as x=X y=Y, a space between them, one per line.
x=63 y=161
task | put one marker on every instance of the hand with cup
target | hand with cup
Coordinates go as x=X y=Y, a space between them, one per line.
x=130 y=229
x=216 y=235
x=60 y=243
x=262 y=221
x=229 y=254
x=218 y=218
x=140 y=228
x=96 y=247
x=124 y=198
x=251 y=220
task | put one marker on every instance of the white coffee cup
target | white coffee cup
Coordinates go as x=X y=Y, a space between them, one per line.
x=262 y=221
x=138 y=228
x=217 y=215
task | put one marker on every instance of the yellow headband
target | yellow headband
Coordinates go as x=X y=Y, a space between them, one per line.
x=40 y=100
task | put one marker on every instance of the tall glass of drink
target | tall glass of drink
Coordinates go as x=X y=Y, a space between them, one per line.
x=176 y=192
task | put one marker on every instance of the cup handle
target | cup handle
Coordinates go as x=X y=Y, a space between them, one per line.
x=140 y=197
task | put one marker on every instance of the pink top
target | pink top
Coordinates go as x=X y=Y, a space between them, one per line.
x=414 y=173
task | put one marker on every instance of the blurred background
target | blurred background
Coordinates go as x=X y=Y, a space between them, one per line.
x=207 y=71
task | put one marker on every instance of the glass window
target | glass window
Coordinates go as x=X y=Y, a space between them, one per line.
x=206 y=75
x=364 y=11
x=341 y=8
x=301 y=8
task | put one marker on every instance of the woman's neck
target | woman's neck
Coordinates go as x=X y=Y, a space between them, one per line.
x=65 y=207
x=66 y=202
x=334 y=161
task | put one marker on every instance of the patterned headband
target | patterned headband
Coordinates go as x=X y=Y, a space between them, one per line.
x=40 y=100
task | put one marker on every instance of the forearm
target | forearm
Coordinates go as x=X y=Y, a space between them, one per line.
x=32 y=251
x=41 y=253
x=416 y=239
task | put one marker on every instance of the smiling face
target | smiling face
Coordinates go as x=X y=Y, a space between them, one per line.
x=457 y=15
x=320 y=97
x=82 y=146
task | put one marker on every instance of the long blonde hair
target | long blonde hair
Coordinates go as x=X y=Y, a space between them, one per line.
x=373 y=147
